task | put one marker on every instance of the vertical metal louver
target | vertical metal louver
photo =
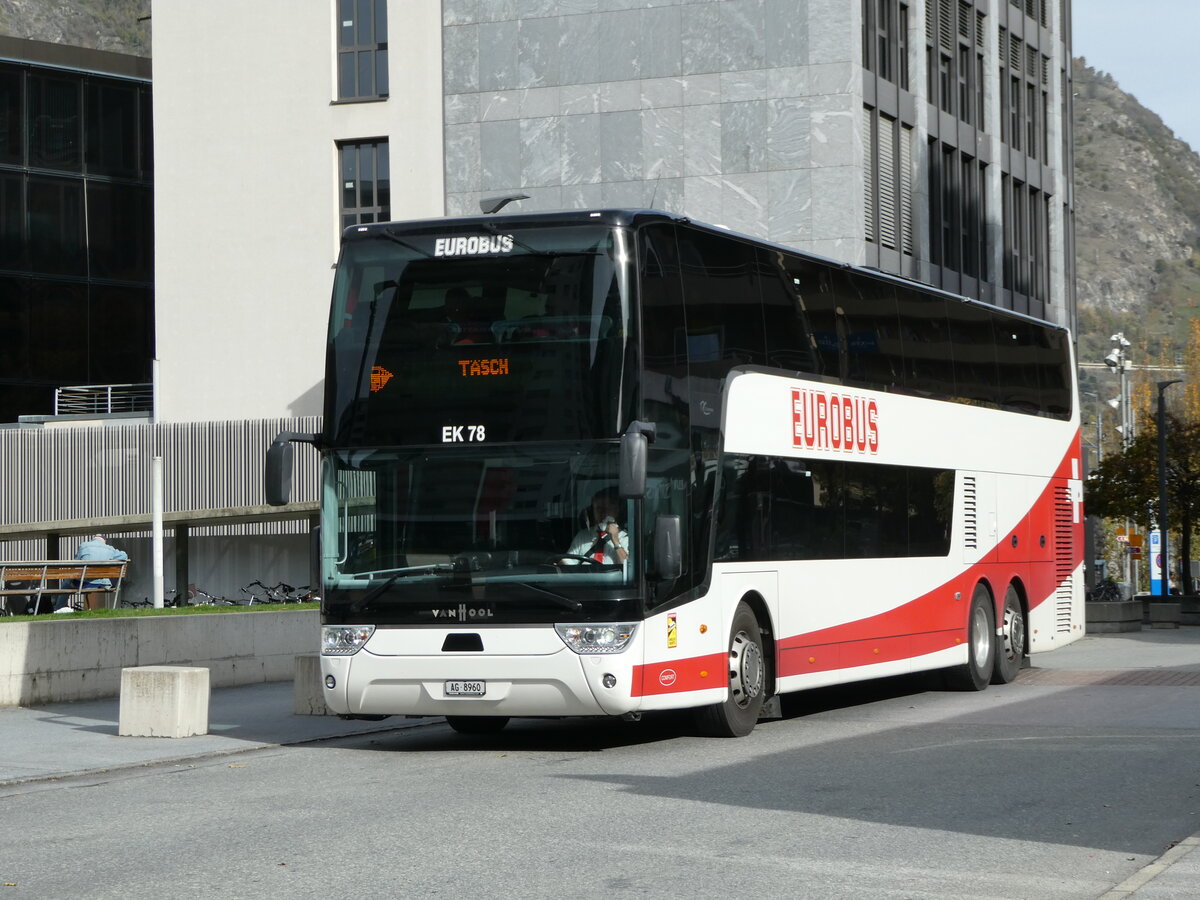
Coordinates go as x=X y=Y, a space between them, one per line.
x=970 y=511
x=1015 y=52
x=906 y=190
x=964 y=19
x=90 y=472
x=946 y=24
x=887 y=182
x=869 y=180
x=1064 y=557
x=979 y=33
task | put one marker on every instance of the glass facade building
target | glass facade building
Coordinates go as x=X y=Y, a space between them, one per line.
x=76 y=223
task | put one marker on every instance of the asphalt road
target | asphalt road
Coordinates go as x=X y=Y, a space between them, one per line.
x=1066 y=784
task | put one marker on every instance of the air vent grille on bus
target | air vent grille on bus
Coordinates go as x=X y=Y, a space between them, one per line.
x=1064 y=557
x=970 y=505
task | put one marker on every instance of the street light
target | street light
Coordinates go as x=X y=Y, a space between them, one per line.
x=1165 y=577
x=1120 y=364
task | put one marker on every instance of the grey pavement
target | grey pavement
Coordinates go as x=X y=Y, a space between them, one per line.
x=69 y=740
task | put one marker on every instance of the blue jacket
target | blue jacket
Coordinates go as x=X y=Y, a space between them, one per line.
x=99 y=551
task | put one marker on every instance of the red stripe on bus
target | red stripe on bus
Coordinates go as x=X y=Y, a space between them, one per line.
x=696 y=673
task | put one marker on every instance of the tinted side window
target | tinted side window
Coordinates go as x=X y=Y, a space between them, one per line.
x=974 y=344
x=1016 y=365
x=821 y=306
x=925 y=338
x=875 y=354
x=665 y=394
x=789 y=341
x=724 y=310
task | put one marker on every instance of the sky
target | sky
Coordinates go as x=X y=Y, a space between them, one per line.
x=1150 y=48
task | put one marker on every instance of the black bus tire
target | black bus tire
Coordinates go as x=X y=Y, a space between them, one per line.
x=737 y=715
x=1010 y=648
x=976 y=672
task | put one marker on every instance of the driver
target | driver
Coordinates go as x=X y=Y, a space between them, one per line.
x=602 y=539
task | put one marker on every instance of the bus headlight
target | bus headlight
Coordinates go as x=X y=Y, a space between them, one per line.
x=344 y=640
x=597 y=637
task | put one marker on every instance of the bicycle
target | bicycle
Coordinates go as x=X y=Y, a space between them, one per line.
x=1106 y=592
x=261 y=596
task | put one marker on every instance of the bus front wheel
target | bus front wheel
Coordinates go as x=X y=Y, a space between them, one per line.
x=737 y=715
x=976 y=672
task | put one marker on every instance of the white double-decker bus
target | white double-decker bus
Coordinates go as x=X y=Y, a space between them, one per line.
x=601 y=463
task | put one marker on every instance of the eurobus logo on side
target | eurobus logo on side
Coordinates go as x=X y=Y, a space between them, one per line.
x=829 y=421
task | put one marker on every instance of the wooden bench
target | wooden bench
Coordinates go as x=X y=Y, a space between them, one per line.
x=54 y=578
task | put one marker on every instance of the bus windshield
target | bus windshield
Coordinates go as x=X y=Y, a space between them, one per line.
x=516 y=524
x=463 y=336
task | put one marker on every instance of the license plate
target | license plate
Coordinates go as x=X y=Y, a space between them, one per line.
x=465 y=688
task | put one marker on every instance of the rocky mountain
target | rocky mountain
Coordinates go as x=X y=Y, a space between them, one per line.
x=96 y=24
x=1137 y=223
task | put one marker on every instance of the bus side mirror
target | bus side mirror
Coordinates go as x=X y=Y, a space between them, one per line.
x=277 y=474
x=668 y=547
x=632 y=483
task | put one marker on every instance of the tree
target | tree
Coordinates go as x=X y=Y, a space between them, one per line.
x=1125 y=485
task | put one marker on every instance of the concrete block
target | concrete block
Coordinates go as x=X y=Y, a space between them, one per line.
x=1109 y=618
x=1165 y=615
x=308 y=692
x=164 y=701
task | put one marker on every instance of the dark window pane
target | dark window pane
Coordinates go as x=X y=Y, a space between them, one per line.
x=346 y=69
x=25 y=400
x=381 y=21
x=146 y=126
x=724 y=309
x=121 y=233
x=55 y=122
x=872 y=331
x=925 y=338
x=121 y=335
x=381 y=73
x=789 y=344
x=820 y=300
x=12 y=218
x=58 y=332
x=11 y=118
x=366 y=73
x=366 y=25
x=14 y=328
x=112 y=128
x=55 y=211
x=346 y=23
x=974 y=353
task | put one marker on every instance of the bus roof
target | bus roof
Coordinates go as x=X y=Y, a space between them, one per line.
x=638 y=217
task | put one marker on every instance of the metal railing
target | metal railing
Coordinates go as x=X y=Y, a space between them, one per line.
x=103 y=399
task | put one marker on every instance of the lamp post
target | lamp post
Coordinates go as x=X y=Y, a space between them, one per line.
x=1165 y=581
x=1120 y=364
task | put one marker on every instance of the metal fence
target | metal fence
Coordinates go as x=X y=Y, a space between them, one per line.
x=103 y=399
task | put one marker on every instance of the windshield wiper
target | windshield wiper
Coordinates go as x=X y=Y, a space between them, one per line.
x=361 y=603
x=561 y=599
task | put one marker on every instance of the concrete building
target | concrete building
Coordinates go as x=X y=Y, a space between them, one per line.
x=929 y=138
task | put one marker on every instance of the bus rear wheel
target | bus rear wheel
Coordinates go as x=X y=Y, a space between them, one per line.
x=1011 y=649
x=477 y=724
x=737 y=715
x=976 y=672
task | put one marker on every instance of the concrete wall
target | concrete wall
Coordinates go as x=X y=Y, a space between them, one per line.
x=247 y=219
x=746 y=114
x=54 y=661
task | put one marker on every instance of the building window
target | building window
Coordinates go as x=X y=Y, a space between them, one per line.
x=954 y=52
x=885 y=40
x=362 y=49
x=366 y=188
x=888 y=183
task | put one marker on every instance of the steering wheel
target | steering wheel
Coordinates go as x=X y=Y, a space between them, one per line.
x=558 y=557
